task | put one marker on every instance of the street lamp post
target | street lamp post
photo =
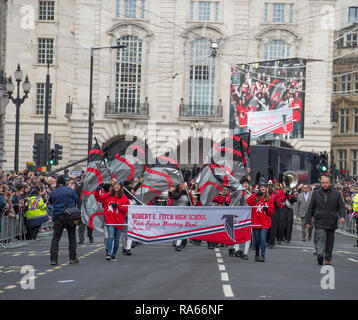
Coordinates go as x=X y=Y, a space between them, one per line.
x=90 y=111
x=26 y=86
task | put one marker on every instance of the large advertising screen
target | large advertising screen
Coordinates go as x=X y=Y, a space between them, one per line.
x=267 y=98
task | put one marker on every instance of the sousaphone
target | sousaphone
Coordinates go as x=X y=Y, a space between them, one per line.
x=292 y=178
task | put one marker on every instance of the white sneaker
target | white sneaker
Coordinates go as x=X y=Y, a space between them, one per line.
x=113 y=258
x=108 y=258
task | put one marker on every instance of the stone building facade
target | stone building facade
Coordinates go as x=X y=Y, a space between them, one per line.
x=345 y=101
x=148 y=89
x=3 y=95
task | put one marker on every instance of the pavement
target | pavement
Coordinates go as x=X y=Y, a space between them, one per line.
x=157 y=272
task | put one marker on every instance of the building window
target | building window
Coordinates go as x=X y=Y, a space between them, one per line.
x=353 y=14
x=346 y=84
x=204 y=10
x=217 y=7
x=351 y=40
x=291 y=12
x=277 y=49
x=118 y=3
x=266 y=12
x=130 y=8
x=128 y=75
x=342 y=159
x=41 y=96
x=334 y=86
x=191 y=10
x=278 y=13
x=45 y=50
x=201 y=78
x=354 y=162
x=343 y=122
x=356 y=83
x=46 y=10
x=355 y=120
x=142 y=9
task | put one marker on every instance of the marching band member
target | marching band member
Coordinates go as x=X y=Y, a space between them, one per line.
x=281 y=213
x=261 y=218
x=243 y=202
x=287 y=226
x=197 y=203
x=180 y=197
x=129 y=191
x=115 y=211
x=273 y=191
x=221 y=199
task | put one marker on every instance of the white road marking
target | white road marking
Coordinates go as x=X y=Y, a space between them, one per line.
x=351 y=259
x=10 y=287
x=221 y=267
x=224 y=276
x=228 y=291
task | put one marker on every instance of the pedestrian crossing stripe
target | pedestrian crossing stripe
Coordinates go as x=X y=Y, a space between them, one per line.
x=10 y=287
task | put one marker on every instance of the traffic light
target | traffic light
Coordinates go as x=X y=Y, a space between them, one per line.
x=105 y=150
x=343 y=173
x=52 y=157
x=58 y=153
x=323 y=162
x=36 y=153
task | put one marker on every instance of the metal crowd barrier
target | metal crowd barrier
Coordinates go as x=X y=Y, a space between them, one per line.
x=13 y=230
x=348 y=226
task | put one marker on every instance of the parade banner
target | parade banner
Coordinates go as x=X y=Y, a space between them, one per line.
x=276 y=121
x=226 y=225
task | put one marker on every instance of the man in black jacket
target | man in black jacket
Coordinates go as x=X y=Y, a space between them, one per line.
x=60 y=198
x=325 y=207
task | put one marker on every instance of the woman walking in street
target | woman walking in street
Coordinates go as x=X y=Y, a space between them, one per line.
x=115 y=210
x=260 y=217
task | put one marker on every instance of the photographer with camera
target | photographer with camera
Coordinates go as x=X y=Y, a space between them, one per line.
x=63 y=197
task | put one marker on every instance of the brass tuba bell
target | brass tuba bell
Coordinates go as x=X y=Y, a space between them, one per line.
x=292 y=177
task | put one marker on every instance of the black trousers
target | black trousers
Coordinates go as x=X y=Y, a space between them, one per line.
x=81 y=232
x=60 y=224
x=31 y=233
x=271 y=235
x=286 y=224
x=281 y=223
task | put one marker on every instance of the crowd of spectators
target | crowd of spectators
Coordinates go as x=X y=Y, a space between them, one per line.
x=15 y=189
x=347 y=188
